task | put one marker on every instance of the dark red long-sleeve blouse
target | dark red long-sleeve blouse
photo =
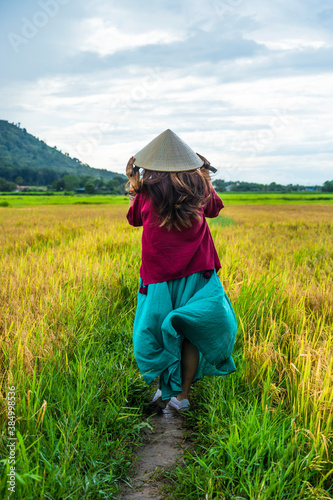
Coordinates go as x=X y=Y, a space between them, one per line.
x=168 y=255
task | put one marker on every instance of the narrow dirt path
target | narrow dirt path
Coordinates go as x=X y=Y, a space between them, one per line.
x=162 y=450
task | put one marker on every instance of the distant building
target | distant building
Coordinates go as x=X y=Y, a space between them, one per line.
x=29 y=188
x=20 y=188
x=80 y=190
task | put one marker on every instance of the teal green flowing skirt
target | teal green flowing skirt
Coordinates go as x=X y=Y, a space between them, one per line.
x=195 y=307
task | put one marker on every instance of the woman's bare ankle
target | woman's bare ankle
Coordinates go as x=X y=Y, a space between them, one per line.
x=182 y=396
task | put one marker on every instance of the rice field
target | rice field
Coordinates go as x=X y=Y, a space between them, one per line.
x=68 y=285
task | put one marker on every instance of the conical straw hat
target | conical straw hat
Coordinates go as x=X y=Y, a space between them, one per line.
x=168 y=153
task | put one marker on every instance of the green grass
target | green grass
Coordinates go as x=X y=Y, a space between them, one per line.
x=82 y=446
x=79 y=414
x=222 y=221
x=250 y=442
x=276 y=198
x=17 y=200
x=61 y=199
x=247 y=447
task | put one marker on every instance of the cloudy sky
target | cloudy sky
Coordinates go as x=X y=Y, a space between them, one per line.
x=247 y=83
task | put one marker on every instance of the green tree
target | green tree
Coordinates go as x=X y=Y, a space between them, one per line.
x=6 y=186
x=89 y=187
x=327 y=187
x=219 y=185
x=58 y=185
x=98 y=183
x=112 y=185
x=19 y=181
x=116 y=185
x=71 y=182
x=121 y=179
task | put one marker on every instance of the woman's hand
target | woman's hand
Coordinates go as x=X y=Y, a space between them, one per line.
x=203 y=159
x=134 y=179
x=129 y=167
x=204 y=170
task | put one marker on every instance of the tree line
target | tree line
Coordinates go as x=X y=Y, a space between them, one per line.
x=70 y=182
x=238 y=186
x=91 y=185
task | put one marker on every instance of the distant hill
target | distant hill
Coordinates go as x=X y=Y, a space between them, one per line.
x=23 y=155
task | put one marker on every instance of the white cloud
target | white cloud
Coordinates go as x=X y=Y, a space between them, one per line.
x=104 y=38
x=293 y=43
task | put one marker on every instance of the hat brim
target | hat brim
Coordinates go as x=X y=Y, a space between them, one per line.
x=169 y=170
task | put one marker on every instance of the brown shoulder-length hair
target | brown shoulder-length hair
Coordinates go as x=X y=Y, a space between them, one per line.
x=176 y=196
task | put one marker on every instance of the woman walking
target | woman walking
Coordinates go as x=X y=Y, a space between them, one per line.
x=184 y=326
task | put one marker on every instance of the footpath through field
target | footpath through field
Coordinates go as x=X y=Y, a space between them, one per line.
x=160 y=452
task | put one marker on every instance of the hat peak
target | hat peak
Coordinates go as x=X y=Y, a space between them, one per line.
x=168 y=153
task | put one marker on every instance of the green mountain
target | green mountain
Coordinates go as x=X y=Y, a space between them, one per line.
x=24 y=156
